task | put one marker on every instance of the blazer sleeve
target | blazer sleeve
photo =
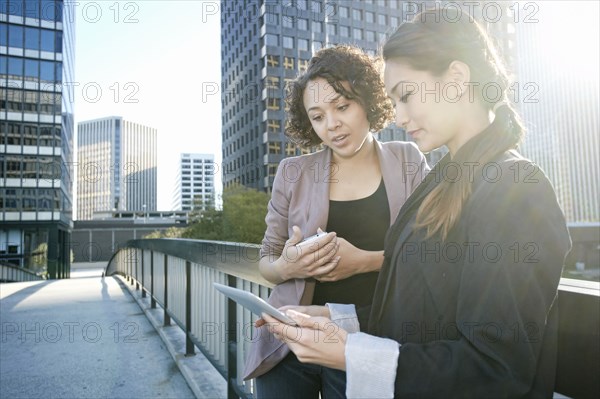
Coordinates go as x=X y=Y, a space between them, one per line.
x=277 y=216
x=518 y=239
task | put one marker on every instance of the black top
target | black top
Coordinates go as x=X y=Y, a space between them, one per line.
x=473 y=313
x=363 y=223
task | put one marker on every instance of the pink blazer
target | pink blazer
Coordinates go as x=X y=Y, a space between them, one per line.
x=300 y=197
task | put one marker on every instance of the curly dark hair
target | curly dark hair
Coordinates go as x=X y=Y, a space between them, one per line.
x=342 y=63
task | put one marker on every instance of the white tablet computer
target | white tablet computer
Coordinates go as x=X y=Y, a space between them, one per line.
x=253 y=303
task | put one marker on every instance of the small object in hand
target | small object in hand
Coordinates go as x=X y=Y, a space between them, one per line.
x=312 y=238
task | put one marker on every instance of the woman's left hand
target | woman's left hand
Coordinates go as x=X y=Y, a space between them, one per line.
x=316 y=340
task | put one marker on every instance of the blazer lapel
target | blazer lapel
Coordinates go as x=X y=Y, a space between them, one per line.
x=391 y=170
x=402 y=228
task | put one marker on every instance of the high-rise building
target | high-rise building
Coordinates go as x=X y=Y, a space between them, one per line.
x=194 y=185
x=265 y=44
x=36 y=134
x=117 y=163
x=559 y=93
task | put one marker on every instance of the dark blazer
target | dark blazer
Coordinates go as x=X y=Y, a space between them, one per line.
x=300 y=197
x=474 y=314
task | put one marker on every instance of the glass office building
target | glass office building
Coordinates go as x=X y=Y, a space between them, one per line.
x=36 y=134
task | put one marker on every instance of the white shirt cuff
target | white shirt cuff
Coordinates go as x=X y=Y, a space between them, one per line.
x=344 y=316
x=371 y=364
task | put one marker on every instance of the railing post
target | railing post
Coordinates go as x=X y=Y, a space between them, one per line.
x=137 y=281
x=231 y=343
x=189 y=345
x=143 y=290
x=152 y=300
x=166 y=317
x=131 y=266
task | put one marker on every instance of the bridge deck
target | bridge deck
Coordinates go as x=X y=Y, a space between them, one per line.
x=81 y=338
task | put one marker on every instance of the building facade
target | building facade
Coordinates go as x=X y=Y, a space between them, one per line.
x=117 y=161
x=194 y=185
x=36 y=134
x=559 y=100
x=264 y=45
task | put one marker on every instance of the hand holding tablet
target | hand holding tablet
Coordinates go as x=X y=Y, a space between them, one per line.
x=253 y=303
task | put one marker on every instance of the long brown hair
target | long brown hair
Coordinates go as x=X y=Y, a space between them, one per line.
x=430 y=42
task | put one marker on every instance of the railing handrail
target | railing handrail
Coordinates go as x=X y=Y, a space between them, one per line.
x=234 y=258
x=18 y=269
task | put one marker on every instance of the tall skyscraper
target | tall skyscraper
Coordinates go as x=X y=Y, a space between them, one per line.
x=195 y=182
x=559 y=98
x=36 y=134
x=265 y=44
x=117 y=163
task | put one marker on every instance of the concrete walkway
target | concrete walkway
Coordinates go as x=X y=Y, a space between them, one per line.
x=83 y=337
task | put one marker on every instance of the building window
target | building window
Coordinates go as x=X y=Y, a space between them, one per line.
x=272 y=82
x=357 y=15
x=288 y=42
x=331 y=29
x=344 y=31
x=357 y=33
x=273 y=103
x=317 y=27
x=288 y=22
x=370 y=17
x=317 y=45
x=302 y=24
x=316 y=6
x=370 y=36
x=302 y=44
x=288 y=62
x=290 y=149
x=382 y=20
x=274 y=147
x=273 y=126
x=272 y=169
x=271 y=18
x=271 y=40
x=344 y=11
x=302 y=65
x=273 y=60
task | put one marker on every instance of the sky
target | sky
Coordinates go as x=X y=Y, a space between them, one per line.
x=149 y=62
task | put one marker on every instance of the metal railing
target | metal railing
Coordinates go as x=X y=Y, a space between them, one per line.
x=11 y=273
x=179 y=274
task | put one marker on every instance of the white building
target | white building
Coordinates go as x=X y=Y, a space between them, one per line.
x=194 y=182
x=116 y=165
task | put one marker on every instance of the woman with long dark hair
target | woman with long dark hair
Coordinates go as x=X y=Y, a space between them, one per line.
x=465 y=301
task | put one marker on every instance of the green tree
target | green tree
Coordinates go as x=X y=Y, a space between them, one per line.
x=241 y=220
x=171 y=232
x=244 y=212
x=205 y=222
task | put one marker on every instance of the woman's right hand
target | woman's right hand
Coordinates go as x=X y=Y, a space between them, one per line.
x=312 y=259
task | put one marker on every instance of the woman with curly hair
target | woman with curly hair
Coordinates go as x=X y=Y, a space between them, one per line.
x=353 y=189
